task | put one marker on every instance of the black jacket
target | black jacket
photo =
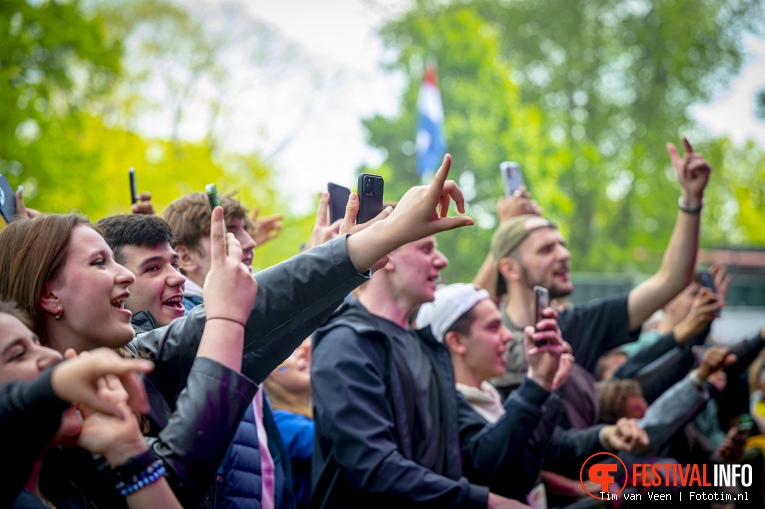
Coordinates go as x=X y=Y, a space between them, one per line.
x=294 y=298
x=30 y=414
x=363 y=407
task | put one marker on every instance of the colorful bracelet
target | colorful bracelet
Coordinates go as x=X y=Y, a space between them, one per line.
x=149 y=476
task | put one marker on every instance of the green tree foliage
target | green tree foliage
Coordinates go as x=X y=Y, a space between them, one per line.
x=584 y=96
x=54 y=62
x=73 y=78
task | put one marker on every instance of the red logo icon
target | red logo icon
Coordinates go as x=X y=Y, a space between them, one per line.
x=607 y=471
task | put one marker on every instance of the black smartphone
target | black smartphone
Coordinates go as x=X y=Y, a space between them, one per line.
x=212 y=195
x=338 y=199
x=133 y=190
x=370 y=197
x=707 y=279
x=7 y=200
x=542 y=301
x=511 y=176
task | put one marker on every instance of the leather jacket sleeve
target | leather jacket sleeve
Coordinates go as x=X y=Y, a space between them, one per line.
x=294 y=298
x=200 y=430
x=30 y=414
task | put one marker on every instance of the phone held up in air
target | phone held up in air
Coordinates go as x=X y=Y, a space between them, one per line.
x=212 y=195
x=338 y=199
x=370 y=192
x=707 y=279
x=511 y=176
x=7 y=200
x=133 y=189
x=542 y=301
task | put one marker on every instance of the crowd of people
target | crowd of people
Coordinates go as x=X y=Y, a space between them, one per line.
x=142 y=364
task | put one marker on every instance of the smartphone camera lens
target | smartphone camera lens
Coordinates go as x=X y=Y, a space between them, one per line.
x=367 y=185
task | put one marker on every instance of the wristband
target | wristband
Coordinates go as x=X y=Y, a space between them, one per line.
x=150 y=475
x=225 y=318
x=685 y=208
x=695 y=379
x=133 y=466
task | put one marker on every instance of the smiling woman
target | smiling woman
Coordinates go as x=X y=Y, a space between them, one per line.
x=62 y=272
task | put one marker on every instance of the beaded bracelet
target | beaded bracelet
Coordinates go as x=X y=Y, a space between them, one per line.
x=149 y=476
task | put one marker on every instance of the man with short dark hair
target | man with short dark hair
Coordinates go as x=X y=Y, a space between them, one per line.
x=142 y=244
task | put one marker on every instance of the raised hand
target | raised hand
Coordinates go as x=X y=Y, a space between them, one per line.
x=143 y=205
x=266 y=228
x=229 y=289
x=517 y=204
x=692 y=173
x=722 y=282
x=323 y=231
x=715 y=359
x=544 y=347
x=625 y=435
x=76 y=380
x=422 y=211
x=564 y=367
x=115 y=438
x=22 y=212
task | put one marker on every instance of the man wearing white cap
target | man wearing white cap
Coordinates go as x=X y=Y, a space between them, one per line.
x=469 y=323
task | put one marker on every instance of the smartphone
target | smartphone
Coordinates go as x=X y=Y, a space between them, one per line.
x=133 y=190
x=212 y=195
x=370 y=197
x=707 y=279
x=542 y=301
x=511 y=176
x=338 y=199
x=7 y=200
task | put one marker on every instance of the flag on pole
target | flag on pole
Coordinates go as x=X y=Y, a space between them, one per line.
x=431 y=138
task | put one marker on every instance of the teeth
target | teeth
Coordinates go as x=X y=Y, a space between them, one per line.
x=118 y=303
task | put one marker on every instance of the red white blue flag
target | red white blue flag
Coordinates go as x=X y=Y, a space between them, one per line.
x=431 y=138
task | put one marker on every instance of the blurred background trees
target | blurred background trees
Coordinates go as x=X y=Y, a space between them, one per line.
x=583 y=95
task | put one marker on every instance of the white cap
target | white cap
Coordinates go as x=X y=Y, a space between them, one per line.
x=451 y=302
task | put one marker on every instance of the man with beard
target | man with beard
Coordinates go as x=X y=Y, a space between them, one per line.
x=529 y=250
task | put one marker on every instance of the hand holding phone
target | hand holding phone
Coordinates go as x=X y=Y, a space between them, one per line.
x=338 y=199
x=542 y=301
x=707 y=280
x=370 y=191
x=212 y=195
x=511 y=176
x=7 y=200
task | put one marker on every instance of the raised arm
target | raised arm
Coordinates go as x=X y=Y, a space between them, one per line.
x=508 y=207
x=680 y=257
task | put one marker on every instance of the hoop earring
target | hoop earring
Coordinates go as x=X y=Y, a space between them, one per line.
x=60 y=314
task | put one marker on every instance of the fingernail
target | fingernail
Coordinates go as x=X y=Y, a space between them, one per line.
x=20 y=190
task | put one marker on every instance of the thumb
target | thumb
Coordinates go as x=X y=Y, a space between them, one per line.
x=351 y=211
x=450 y=223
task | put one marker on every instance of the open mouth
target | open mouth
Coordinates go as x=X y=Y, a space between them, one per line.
x=174 y=303
x=119 y=303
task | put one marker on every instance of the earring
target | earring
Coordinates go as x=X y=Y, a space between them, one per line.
x=59 y=314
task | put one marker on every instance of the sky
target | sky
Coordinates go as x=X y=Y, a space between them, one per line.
x=297 y=95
